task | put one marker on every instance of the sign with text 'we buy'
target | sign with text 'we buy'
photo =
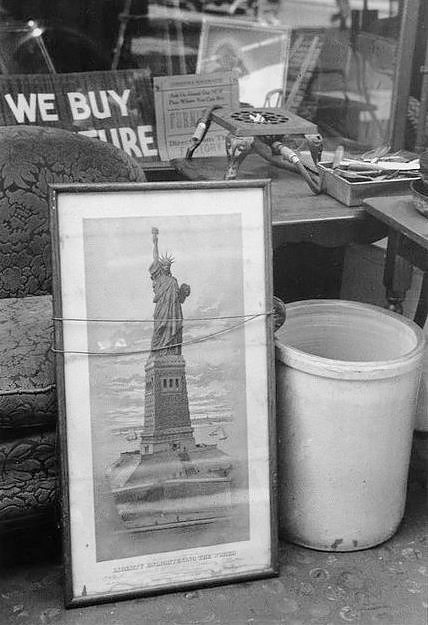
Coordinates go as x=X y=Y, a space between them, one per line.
x=116 y=107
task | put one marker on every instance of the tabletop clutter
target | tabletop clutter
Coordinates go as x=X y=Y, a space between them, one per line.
x=352 y=178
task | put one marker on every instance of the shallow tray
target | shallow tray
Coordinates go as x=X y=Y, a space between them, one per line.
x=353 y=193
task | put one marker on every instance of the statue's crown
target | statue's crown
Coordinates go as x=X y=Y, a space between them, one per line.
x=166 y=260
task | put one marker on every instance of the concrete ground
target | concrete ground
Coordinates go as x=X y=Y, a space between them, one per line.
x=386 y=585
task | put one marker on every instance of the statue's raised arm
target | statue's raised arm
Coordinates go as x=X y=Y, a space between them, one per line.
x=155 y=233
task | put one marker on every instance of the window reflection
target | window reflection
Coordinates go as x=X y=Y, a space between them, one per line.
x=339 y=62
x=348 y=83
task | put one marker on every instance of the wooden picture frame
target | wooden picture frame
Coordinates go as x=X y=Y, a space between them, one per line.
x=167 y=408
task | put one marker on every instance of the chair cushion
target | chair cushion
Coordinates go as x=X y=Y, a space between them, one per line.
x=27 y=371
x=28 y=484
x=31 y=158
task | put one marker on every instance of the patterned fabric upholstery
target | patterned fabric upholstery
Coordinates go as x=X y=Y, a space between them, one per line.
x=27 y=367
x=28 y=478
x=30 y=159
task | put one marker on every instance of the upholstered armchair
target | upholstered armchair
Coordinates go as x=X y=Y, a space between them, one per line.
x=31 y=158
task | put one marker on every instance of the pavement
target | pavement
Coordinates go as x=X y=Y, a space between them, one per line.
x=385 y=585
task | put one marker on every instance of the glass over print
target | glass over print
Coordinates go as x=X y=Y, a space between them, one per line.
x=166 y=360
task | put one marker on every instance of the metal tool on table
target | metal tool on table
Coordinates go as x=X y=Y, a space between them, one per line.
x=375 y=164
x=351 y=178
x=266 y=132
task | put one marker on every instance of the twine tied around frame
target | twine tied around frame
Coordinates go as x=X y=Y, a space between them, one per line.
x=243 y=319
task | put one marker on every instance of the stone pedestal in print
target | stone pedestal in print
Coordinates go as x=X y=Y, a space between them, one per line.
x=166 y=406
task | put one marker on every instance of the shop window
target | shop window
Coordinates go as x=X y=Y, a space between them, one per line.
x=337 y=62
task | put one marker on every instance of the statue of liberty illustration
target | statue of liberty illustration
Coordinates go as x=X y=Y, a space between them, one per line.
x=169 y=480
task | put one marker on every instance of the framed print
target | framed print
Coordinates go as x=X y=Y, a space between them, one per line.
x=257 y=54
x=164 y=344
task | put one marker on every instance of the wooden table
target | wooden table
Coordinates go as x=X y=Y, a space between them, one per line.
x=407 y=246
x=297 y=214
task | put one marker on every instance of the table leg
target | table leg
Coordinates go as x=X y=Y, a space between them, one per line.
x=237 y=149
x=422 y=309
x=397 y=275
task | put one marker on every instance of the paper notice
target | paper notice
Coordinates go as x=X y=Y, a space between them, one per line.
x=180 y=101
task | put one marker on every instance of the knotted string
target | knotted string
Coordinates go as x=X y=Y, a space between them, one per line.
x=167 y=319
x=244 y=319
